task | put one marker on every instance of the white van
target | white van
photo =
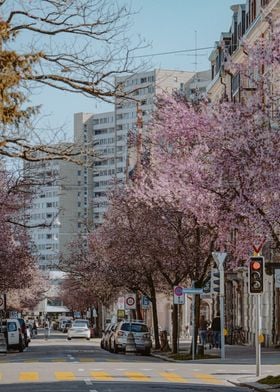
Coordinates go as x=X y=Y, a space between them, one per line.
x=15 y=338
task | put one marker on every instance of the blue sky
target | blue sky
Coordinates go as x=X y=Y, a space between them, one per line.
x=167 y=25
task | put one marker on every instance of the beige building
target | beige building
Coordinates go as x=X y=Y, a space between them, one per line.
x=250 y=22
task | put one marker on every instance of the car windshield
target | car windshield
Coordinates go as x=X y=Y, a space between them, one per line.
x=80 y=324
x=133 y=327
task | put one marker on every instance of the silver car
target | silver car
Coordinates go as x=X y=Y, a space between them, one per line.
x=142 y=337
x=79 y=329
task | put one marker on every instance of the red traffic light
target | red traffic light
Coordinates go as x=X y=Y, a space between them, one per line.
x=256 y=265
x=256 y=275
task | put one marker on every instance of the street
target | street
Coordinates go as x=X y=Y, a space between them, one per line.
x=79 y=365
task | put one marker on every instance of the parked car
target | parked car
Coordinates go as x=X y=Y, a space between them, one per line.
x=66 y=326
x=24 y=331
x=140 y=332
x=13 y=333
x=106 y=333
x=79 y=329
x=62 y=323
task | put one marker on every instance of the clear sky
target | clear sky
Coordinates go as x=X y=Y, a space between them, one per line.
x=167 y=25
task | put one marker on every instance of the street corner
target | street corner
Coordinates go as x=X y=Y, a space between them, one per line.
x=252 y=383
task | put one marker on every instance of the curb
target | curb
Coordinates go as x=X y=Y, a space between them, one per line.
x=164 y=358
x=257 y=386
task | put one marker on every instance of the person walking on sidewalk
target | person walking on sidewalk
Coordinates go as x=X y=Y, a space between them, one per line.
x=216 y=328
x=203 y=326
x=47 y=329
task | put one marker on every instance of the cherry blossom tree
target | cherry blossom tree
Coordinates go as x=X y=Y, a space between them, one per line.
x=219 y=161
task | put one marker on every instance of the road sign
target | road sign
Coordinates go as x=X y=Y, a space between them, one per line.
x=178 y=296
x=130 y=301
x=191 y=290
x=120 y=314
x=178 y=290
x=121 y=303
x=145 y=302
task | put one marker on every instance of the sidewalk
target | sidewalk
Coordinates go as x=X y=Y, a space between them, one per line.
x=234 y=354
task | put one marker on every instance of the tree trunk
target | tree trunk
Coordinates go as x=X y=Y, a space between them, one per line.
x=155 y=316
x=175 y=329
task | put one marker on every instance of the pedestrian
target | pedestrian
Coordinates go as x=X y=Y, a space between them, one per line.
x=203 y=327
x=216 y=328
x=34 y=328
x=47 y=329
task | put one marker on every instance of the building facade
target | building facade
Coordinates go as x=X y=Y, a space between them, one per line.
x=54 y=216
x=250 y=22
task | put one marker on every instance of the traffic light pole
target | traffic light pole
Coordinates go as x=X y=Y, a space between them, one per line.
x=222 y=315
x=257 y=338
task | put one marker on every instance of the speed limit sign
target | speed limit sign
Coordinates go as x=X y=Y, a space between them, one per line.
x=130 y=301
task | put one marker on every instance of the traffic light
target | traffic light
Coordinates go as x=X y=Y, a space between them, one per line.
x=215 y=280
x=207 y=285
x=256 y=274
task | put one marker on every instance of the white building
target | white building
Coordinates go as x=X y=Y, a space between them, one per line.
x=56 y=214
x=108 y=132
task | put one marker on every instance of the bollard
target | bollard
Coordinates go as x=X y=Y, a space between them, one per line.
x=130 y=347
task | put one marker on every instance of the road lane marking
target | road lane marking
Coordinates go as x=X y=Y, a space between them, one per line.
x=137 y=376
x=208 y=378
x=101 y=376
x=28 y=376
x=173 y=377
x=65 y=376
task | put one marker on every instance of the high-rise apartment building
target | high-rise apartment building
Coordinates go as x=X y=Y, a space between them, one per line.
x=108 y=132
x=55 y=216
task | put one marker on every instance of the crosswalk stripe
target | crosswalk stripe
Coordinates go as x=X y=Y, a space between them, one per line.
x=65 y=376
x=101 y=376
x=87 y=359
x=28 y=376
x=208 y=378
x=173 y=377
x=137 y=376
x=58 y=360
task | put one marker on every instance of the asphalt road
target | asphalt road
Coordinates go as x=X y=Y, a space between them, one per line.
x=58 y=365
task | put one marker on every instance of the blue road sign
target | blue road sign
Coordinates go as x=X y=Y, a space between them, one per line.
x=191 y=290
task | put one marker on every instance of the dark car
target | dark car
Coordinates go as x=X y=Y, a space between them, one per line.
x=66 y=326
x=24 y=331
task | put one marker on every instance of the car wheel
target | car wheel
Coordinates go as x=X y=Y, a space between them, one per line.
x=88 y=338
x=147 y=351
x=69 y=338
